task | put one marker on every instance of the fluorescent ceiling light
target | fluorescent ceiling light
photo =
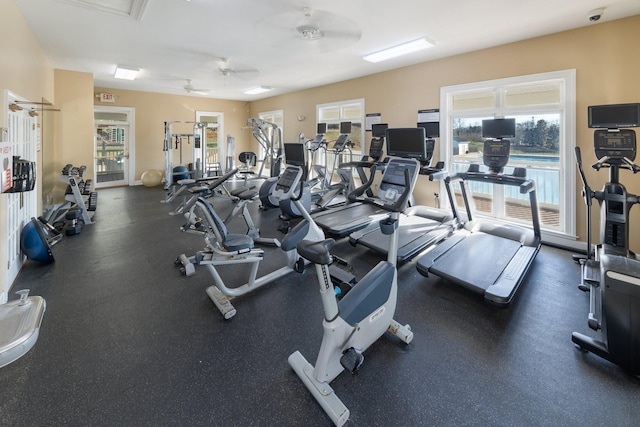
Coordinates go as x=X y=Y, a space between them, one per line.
x=257 y=90
x=126 y=73
x=399 y=50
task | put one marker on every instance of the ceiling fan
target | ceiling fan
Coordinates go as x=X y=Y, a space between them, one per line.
x=189 y=88
x=308 y=29
x=226 y=69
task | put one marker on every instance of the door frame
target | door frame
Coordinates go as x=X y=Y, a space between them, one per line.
x=222 y=139
x=131 y=143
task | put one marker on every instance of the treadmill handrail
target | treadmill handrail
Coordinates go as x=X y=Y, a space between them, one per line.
x=526 y=186
x=400 y=203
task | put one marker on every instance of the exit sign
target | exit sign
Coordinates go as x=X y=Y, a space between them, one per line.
x=107 y=97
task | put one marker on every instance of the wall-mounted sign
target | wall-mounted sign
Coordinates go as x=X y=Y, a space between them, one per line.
x=6 y=160
x=107 y=97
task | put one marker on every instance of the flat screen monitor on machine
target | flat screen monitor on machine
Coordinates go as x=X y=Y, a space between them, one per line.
x=407 y=143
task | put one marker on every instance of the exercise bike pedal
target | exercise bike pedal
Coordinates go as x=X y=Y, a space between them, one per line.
x=299 y=267
x=351 y=360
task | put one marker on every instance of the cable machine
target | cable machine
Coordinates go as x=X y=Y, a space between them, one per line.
x=269 y=137
x=175 y=141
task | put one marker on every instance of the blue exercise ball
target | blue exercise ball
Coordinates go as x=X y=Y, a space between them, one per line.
x=34 y=244
x=180 y=172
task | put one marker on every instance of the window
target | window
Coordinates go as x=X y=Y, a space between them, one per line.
x=333 y=114
x=544 y=108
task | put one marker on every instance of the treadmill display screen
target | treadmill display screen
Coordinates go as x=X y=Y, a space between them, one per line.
x=499 y=128
x=407 y=143
x=322 y=128
x=294 y=154
x=614 y=116
x=432 y=129
x=378 y=130
x=496 y=154
x=345 y=128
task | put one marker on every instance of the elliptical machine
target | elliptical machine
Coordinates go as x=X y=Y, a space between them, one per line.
x=366 y=312
x=612 y=272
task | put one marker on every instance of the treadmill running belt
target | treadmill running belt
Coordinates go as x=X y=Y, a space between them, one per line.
x=477 y=261
x=344 y=221
x=415 y=233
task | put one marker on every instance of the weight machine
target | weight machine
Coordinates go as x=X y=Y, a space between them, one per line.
x=178 y=174
x=269 y=137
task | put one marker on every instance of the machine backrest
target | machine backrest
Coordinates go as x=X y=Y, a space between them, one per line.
x=249 y=158
x=213 y=221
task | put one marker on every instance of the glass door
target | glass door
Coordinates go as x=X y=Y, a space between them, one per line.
x=111 y=155
x=113 y=146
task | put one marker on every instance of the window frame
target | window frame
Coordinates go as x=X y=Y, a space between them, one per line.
x=565 y=234
x=341 y=105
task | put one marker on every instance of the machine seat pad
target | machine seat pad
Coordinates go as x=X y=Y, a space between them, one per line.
x=247 y=194
x=237 y=242
x=371 y=292
x=237 y=191
x=316 y=252
x=187 y=181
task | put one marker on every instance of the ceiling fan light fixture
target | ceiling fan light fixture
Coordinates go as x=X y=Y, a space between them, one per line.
x=126 y=73
x=257 y=90
x=399 y=50
x=309 y=32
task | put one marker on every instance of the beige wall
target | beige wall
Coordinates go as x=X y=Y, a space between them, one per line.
x=603 y=55
x=153 y=109
x=73 y=125
x=25 y=71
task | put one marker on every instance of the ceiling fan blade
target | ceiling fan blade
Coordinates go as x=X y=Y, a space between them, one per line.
x=314 y=30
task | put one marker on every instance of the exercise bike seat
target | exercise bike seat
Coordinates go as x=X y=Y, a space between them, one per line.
x=371 y=293
x=316 y=252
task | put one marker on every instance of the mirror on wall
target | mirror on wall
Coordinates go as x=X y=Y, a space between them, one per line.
x=49 y=175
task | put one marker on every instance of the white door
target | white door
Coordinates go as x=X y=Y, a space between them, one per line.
x=21 y=207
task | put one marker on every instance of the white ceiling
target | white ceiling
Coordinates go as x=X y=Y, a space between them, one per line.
x=175 y=40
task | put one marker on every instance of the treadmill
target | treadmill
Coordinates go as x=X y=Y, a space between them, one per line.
x=488 y=258
x=419 y=226
x=344 y=220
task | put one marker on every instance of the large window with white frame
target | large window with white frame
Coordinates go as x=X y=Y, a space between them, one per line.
x=344 y=111
x=544 y=108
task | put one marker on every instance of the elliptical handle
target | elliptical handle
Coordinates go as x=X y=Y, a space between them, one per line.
x=580 y=169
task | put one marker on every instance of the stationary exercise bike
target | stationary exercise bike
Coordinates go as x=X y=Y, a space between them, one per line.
x=612 y=272
x=224 y=248
x=366 y=312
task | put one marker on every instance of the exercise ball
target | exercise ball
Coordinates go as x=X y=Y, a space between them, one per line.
x=34 y=243
x=151 y=178
x=180 y=172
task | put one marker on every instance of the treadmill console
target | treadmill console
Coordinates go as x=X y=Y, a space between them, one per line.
x=287 y=183
x=341 y=143
x=392 y=184
x=375 y=150
x=496 y=154
x=615 y=145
